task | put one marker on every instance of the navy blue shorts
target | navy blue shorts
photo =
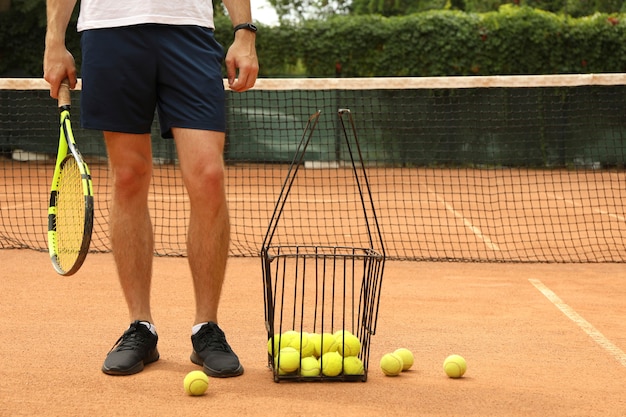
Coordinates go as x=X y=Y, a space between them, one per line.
x=128 y=72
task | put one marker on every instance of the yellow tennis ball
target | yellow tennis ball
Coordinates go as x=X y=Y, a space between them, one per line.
x=276 y=344
x=454 y=366
x=324 y=343
x=331 y=363
x=309 y=366
x=352 y=365
x=407 y=358
x=391 y=364
x=349 y=345
x=288 y=360
x=196 y=383
x=341 y=333
x=307 y=346
x=290 y=338
x=333 y=344
x=315 y=339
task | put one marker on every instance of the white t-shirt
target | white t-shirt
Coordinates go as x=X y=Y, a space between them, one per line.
x=98 y=14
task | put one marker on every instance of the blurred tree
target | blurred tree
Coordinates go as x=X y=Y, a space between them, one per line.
x=579 y=8
x=320 y=9
x=308 y=9
x=35 y=8
x=397 y=7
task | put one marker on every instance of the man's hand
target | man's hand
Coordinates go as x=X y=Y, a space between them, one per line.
x=58 y=62
x=242 y=66
x=58 y=65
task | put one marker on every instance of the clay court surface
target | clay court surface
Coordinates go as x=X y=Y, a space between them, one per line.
x=539 y=339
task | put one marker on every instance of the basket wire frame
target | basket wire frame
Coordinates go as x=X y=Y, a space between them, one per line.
x=318 y=288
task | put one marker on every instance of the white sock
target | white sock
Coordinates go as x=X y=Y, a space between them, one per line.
x=197 y=327
x=150 y=327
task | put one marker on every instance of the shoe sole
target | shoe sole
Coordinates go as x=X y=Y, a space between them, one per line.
x=132 y=370
x=213 y=372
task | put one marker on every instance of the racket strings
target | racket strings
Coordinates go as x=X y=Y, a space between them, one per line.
x=70 y=216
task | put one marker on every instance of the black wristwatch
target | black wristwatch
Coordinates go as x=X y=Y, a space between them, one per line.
x=246 y=26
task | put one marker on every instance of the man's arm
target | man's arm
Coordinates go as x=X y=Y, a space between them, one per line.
x=58 y=62
x=241 y=55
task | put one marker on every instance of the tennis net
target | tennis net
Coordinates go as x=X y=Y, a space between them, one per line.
x=494 y=169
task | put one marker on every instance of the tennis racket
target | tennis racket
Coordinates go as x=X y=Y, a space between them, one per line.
x=70 y=213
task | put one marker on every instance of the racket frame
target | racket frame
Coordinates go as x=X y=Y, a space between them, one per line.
x=68 y=143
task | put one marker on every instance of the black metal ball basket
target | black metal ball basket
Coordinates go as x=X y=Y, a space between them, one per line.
x=323 y=267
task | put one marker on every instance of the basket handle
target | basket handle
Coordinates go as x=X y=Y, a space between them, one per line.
x=346 y=113
x=298 y=158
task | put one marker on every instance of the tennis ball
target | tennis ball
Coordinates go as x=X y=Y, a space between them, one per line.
x=315 y=339
x=196 y=383
x=454 y=366
x=307 y=347
x=331 y=363
x=324 y=343
x=276 y=345
x=349 y=345
x=391 y=364
x=352 y=365
x=290 y=338
x=309 y=366
x=340 y=333
x=407 y=358
x=334 y=344
x=288 y=360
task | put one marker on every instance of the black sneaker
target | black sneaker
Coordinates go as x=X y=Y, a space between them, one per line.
x=136 y=348
x=212 y=352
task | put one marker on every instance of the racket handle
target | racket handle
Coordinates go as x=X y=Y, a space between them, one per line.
x=64 y=98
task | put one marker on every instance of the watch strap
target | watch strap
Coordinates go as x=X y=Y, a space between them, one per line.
x=246 y=26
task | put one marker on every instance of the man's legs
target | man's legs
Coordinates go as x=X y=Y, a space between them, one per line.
x=208 y=238
x=200 y=153
x=130 y=228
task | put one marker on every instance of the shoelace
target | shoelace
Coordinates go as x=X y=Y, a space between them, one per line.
x=132 y=339
x=214 y=340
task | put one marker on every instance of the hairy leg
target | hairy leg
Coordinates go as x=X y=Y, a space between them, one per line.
x=208 y=238
x=130 y=227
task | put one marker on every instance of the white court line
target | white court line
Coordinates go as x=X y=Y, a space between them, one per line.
x=467 y=223
x=587 y=327
x=597 y=211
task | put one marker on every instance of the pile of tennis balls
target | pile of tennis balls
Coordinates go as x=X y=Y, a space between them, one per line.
x=392 y=364
x=316 y=354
